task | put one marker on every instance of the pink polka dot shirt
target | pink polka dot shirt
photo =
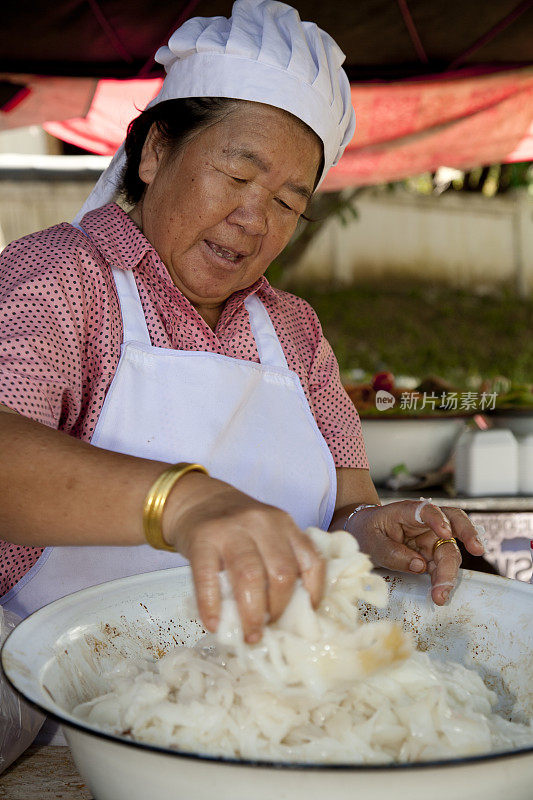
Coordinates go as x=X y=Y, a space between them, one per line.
x=61 y=331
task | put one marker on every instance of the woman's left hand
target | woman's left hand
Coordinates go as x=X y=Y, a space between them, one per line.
x=402 y=536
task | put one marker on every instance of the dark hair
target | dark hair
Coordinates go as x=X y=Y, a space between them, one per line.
x=177 y=122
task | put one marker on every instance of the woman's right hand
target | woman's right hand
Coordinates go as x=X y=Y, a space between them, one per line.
x=217 y=528
x=48 y=477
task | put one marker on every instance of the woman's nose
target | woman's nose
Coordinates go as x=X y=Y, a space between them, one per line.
x=252 y=216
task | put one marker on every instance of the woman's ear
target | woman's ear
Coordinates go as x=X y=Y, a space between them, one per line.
x=150 y=155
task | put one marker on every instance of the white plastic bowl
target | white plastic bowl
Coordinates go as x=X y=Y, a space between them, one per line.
x=421 y=444
x=56 y=656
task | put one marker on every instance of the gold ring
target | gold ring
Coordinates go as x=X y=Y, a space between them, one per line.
x=444 y=541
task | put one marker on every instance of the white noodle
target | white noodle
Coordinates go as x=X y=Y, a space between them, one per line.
x=320 y=687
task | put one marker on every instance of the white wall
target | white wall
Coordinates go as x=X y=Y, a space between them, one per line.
x=37 y=191
x=32 y=139
x=464 y=240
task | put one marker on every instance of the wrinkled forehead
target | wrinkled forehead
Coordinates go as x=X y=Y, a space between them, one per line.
x=269 y=138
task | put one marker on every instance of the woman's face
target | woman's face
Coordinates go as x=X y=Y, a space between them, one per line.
x=220 y=210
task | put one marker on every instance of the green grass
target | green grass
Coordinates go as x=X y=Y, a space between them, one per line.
x=421 y=330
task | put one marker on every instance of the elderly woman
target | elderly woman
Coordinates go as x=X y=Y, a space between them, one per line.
x=160 y=401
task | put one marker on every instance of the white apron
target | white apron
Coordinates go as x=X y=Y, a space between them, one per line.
x=249 y=424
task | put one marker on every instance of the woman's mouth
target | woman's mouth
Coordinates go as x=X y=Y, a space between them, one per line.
x=224 y=253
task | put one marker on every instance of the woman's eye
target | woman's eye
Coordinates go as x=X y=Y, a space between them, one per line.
x=280 y=201
x=238 y=180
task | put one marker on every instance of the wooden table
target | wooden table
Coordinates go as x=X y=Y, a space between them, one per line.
x=43 y=773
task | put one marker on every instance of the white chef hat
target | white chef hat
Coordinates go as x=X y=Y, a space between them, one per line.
x=264 y=53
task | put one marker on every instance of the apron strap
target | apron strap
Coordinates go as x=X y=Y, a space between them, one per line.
x=270 y=351
x=133 y=320
x=135 y=329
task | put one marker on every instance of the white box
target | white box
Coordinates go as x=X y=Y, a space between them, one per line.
x=486 y=463
x=525 y=464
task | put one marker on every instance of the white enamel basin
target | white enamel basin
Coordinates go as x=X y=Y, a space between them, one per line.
x=56 y=656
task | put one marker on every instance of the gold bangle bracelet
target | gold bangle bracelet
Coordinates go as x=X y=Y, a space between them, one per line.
x=154 y=505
